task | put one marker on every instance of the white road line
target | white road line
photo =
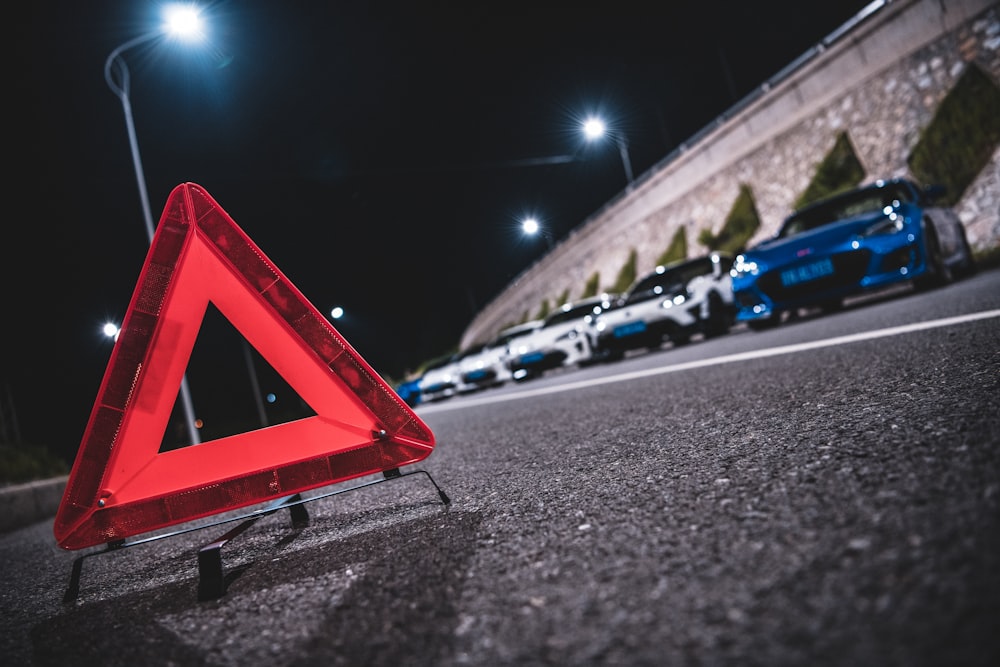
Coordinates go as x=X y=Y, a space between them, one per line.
x=715 y=361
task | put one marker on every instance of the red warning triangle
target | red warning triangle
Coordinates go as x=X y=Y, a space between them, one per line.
x=122 y=485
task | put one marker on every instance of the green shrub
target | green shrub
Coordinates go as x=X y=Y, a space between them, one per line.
x=626 y=275
x=677 y=250
x=543 y=310
x=958 y=142
x=987 y=258
x=839 y=171
x=593 y=284
x=740 y=225
x=563 y=298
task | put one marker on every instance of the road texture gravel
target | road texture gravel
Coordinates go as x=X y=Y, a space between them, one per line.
x=832 y=506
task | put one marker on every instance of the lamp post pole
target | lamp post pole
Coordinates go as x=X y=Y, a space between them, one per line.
x=115 y=63
x=626 y=161
x=594 y=128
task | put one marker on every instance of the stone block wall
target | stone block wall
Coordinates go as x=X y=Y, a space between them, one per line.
x=880 y=81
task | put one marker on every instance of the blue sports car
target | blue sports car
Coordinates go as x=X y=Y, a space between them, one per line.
x=870 y=237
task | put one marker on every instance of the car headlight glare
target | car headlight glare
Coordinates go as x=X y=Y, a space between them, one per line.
x=890 y=225
x=743 y=267
x=676 y=300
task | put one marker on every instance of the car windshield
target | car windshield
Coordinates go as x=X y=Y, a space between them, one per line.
x=440 y=362
x=515 y=332
x=670 y=280
x=576 y=312
x=850 y=205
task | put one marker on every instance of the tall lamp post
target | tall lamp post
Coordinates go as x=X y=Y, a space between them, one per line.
x=594 y=128
x=182 y=20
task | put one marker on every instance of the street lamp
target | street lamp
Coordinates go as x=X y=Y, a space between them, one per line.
x=181 y=20
x=594 y=128
x=530 y=226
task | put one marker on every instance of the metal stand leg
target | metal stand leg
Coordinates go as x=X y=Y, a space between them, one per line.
x=211 y=574
x=211 y=578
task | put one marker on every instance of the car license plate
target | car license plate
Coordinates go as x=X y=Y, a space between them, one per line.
x=475 y=376
x=806 y=272
x=630 y=329
x=532 y=358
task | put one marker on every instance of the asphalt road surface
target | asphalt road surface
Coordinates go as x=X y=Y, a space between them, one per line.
x=824 y=493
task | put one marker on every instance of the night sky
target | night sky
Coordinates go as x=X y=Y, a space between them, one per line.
x=382 y=154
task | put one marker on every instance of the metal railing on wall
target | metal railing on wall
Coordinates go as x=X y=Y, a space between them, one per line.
x=865 y=14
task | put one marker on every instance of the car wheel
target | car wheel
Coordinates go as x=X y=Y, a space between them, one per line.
x=717 y=323
x=613 y=355
x=969 y=262
x=831 y=306
x=679 y=339
x=766 y=323
x=938 y=272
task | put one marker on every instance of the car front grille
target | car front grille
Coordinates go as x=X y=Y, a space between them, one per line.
x=848 y=270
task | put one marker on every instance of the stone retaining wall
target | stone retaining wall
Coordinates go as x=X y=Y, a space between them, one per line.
x=881 y=81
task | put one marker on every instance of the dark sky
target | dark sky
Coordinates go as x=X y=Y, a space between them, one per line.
x=382 y=154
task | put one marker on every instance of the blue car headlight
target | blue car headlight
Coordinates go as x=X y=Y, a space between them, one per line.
x=744 y=267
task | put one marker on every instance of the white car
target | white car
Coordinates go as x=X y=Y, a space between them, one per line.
x=509 y=340
x=565 y=338
x=440 y=379
x=673 y=302
x=483 y=366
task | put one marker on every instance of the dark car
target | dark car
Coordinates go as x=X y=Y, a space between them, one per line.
x=409 y=391
x=871 y=237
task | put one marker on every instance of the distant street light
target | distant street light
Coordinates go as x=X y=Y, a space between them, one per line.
x=594 y=129
x=182 y=21
x=530 y=226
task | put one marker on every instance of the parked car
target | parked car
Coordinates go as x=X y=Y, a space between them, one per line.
x=409 y=391
x=869 y=237
x=672 y=302
x=565 y=338
x=440 y=379
x=509 y=340
x=483 y=366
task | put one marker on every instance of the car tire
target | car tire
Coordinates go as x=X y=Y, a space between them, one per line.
x=611 y=355
x=938 y=272
x=831 y=306
x=718 y=321
x=764 y=324
x=680 y=339
x=969 y=267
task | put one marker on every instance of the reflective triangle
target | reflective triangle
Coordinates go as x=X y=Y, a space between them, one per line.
x=121 y=485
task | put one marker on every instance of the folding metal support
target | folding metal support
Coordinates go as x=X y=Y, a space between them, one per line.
x=211 y=573
x=211 y=578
